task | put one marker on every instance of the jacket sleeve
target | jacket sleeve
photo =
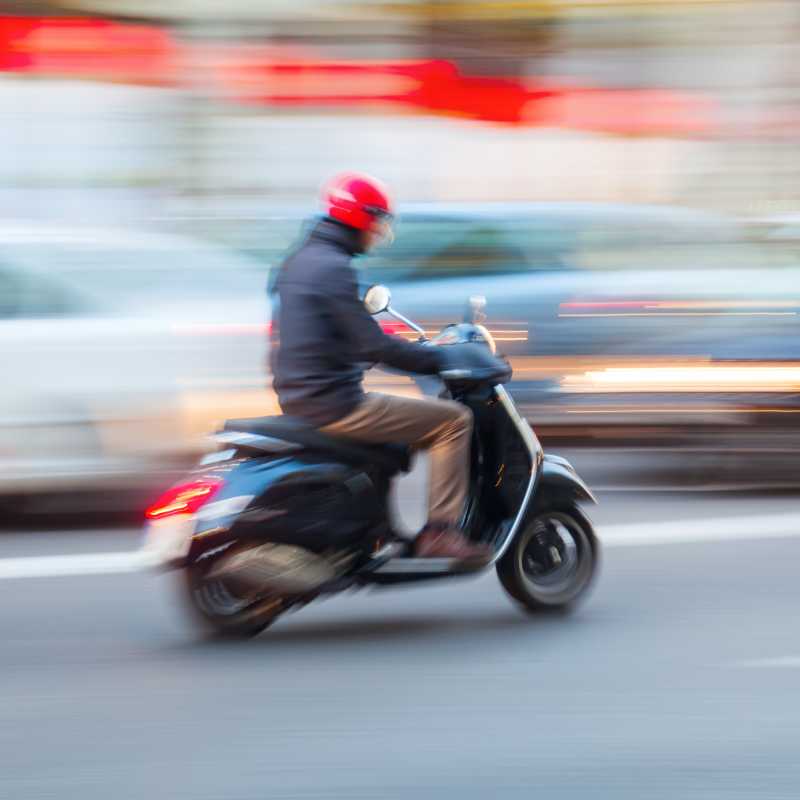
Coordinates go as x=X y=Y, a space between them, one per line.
x=365 y=336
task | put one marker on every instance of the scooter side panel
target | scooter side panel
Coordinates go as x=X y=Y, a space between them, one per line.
x=297 y=501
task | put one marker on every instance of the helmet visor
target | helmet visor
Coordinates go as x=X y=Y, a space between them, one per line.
x=382 y=227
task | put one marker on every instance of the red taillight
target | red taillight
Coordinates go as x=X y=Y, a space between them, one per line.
x=391 y=326
x=185 y=498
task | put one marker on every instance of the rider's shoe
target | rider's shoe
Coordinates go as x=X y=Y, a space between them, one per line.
x=440 y=541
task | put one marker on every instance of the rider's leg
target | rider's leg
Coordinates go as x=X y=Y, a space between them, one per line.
x=442 y=427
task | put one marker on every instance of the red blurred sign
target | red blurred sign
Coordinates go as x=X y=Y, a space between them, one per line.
x=438 y=87
x=107 y=50
x=86 y=47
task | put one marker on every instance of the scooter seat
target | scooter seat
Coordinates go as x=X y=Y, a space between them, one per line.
x=390 y=457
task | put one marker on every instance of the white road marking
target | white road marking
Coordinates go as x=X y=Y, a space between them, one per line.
x=718 y=529
x=77 y=564
x=633 y=534
x=781 y=662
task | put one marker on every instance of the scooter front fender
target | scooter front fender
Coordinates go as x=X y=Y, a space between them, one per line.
x=559 y=479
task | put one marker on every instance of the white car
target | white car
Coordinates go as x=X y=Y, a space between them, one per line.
x=120 y=351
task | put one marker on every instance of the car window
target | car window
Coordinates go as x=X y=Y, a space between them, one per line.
x=119 y=273
x=436 y=248
x=26 y=294
x=662 y=244
x=10 y=294
x=550 y=242
x=442 y=246
x=479 y=249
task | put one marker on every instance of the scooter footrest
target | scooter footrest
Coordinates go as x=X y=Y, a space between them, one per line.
x=403 y=566
x=380 y=558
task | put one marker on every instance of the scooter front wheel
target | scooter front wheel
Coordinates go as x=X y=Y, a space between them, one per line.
x=552 y=561
x=220 y=611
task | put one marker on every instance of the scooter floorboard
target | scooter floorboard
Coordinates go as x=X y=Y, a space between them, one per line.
x=408 y=570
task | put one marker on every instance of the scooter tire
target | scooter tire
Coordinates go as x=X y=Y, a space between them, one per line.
x=216 y=615
x=549 y=594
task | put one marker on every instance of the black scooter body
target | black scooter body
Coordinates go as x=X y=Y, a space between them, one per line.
x=277 y=480
x=315 y=500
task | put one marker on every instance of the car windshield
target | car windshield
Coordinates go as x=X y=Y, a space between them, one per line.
x=127 y=273
x=663 y=245
x=441 y=247
x=436 y=247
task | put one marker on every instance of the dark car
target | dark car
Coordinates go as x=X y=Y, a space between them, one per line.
x=642 y=310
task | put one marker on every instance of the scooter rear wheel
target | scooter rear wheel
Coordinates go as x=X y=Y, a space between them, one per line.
x=552 y=562
x=219 y=611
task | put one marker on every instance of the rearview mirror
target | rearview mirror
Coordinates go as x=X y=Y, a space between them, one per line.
x=476 y=306
x=377 y=299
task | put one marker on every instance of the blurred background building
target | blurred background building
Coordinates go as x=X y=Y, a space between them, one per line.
x=191 y=108
x=216 y=122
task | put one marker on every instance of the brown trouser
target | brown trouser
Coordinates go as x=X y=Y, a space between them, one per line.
x=442 y=427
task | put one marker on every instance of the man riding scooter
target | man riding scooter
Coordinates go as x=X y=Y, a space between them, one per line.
x=324 y=336
x=294 y=507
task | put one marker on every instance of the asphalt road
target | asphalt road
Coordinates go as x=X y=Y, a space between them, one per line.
x=678 y=678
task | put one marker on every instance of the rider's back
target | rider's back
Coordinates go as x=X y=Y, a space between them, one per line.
x=316 y=373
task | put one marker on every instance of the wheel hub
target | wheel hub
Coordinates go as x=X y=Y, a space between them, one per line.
x=551 y=554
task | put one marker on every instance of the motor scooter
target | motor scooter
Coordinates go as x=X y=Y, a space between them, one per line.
x=277 y=487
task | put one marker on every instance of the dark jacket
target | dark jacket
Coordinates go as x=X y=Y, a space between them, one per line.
x=324 y=336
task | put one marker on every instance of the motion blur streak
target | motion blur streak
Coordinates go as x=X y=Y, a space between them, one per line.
x=222 y=329
x=685 y=304
x=630 y=409
x=689 y=314
x=619 y=179
x=716 y=377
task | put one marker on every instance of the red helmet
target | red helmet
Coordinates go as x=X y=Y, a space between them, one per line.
x=356 y=199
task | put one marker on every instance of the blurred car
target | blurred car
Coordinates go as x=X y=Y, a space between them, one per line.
x=611 y=313
x=119 y=351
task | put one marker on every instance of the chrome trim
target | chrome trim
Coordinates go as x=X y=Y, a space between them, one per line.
x=455 y=374
x=218 y=456
x=560 y=461
x=484 y=331
x=405 y=320
x=230 y=506
x=537 y=455
x=399 y=566
x=391 y=549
